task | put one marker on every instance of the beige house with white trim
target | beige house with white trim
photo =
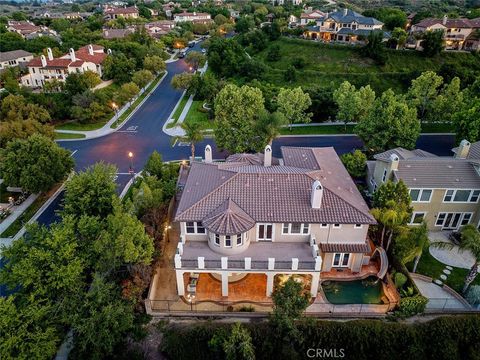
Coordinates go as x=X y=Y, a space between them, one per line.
x=445 y=191
x=255 y=214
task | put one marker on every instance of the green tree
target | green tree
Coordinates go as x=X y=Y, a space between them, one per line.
x=195 y=59
x=118 y=67
x=127 y=92
x=238 y=345
x=154 y=165
x=374 y=48
x=268 y=126
x=424 y=91
x=225 y=56
x=293 y=104
x=220 y=19
x=411 y=243
x=244 y=24
x=389 y=123
x=467 y=121
x=470 y=242
x=273 y=53
x=353 y=105
x=91 y=192
x=154 y=63
x=399 y=36
x=391 y=218
x=355 y=163
x=16 y=108
x=23 y=129
x=101 y=322
x=236 y=115
x=142 y=78
x=397 y=192
x=123 y=241
x=192 y=134
x=35 y=164
x=182 y=81
x=432 y=43
x=449 y=101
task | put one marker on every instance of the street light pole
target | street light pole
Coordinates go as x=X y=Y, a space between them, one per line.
x=130 y=170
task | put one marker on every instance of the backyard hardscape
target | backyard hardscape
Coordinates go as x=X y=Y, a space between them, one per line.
x=453 y=257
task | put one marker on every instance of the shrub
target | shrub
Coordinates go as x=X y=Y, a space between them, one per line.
x=400 y=280
x=412 y=305
x=299 y=62
x=274 y=53
x=247 y=308
x=473 y=295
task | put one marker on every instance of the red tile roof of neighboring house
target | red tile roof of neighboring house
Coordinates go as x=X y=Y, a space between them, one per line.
x=119 y=11
x=192 y=14
x=82 y=55
x=450 y=23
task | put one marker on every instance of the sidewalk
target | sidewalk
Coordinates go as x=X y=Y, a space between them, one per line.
x=17 y=212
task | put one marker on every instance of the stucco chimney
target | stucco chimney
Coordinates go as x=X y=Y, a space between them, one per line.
x=393 y=165
x=72 y=55
x=267 y=158
x=109 y=51
x=90 y=49
x=445 y=18
x=317 y=194
x=463 y=149
x=49 y=54
x=43 y=59
x=208 y=154
x=345 y=12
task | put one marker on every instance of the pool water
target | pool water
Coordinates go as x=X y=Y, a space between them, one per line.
x=367 y=291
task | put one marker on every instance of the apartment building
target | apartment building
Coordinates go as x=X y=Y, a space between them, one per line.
x=445 y=191
x=343 y=26
x=254 y=216
x=47 y=68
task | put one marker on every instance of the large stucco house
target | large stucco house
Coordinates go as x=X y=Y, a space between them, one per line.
x=298 y=215
x=343 y=26
x=47 y=68
x=445 y=190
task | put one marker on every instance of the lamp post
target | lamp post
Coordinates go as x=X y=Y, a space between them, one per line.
x=130 y=169
x=115 y=108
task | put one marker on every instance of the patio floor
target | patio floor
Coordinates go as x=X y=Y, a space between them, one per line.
x=346 y=274
x=454 y=257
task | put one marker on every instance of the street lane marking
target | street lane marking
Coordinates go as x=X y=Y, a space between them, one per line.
x=73 y=152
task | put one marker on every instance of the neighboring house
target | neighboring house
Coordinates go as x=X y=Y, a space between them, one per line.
x=445 y=191
x=309 y=16
x=46 y=68
x=29 y=30
x=256 y=214
x=117 y=33
x=343 y=26
x=160 y=27
x=112 y=13
x=234 y=14
x=14 y=58
x=193 y=17
x=455 y=31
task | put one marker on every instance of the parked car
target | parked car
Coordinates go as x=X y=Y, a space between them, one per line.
x=191 y=44
x=182 y=54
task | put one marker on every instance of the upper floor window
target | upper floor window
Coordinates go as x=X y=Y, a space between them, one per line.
x=239 y=239
x=417 y=218
x=384 y=176
x=295 y=228
x=228 y=241
x=195 y=228
x=461 y=196
x=421 y=195
x=358 y=226
x=337 y=226
x=217 y=239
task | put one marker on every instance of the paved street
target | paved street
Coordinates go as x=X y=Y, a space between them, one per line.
x=143 y=134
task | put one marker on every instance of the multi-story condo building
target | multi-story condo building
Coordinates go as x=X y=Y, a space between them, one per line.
x=256 y=214
x=46 y=68
x=192 y=17
x=458 y=34
x=14 y=58
x=445 y=191
x=344 y=26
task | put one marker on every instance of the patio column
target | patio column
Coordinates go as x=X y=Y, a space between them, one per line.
x=180 y=284
x=225 y=283
x=270 y=277
x=314 y=284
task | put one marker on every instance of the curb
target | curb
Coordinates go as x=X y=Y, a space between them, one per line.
x=111 y=130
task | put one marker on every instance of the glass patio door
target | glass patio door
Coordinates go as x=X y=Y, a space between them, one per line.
x=451 y=221
x=265 y=232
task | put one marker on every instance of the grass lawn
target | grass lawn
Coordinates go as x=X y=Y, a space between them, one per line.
x=340 y=129
x=136 y=103
x=28 y=213
x=178 y=111
x=327 y=65
x=196 y=114
x=60 y=136
x=81 y=127
x=433 y=268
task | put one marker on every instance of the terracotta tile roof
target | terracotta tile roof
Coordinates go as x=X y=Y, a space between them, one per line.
x=252 y=159
x=345 y=248
x=128 y=10
x=279 y=193
x=450 y=23
x=82 y=55
x=403 y=154
x=228 y=219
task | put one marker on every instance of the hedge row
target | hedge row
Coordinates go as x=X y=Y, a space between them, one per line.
x=446 y=338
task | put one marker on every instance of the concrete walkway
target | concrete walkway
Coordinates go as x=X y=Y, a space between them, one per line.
x=438 y=297
x=453 y=257
x=16 y=212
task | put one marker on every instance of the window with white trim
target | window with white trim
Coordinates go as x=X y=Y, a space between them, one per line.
x=421 y=195
x=217 y=239
x=195 y=228
x=358 y=226
x=295 y=229
x=466 y=219
x=337 y=226
x=440 y=219
x=417 y=218
x=323 y=225
x=462 y=196
x=341 y=259
x=228 y=241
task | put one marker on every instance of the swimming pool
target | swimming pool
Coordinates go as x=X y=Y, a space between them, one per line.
x=367 y=291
